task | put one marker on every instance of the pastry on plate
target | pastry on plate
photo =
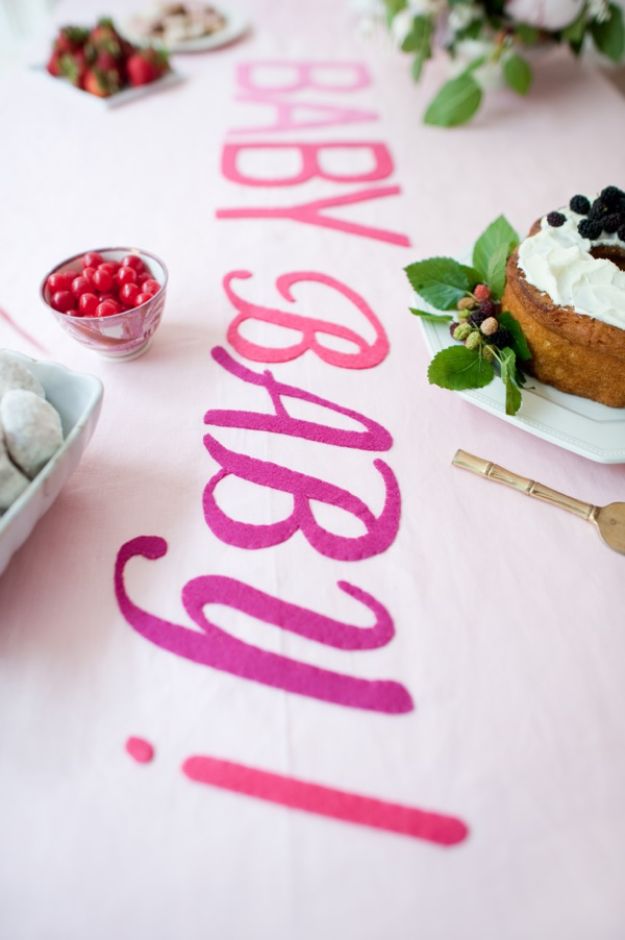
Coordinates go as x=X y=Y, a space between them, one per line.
x=565 y=284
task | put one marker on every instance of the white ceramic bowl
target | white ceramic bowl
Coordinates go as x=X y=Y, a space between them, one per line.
x=78 y=399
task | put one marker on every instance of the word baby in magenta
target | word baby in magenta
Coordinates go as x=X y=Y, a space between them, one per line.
x=292 y=110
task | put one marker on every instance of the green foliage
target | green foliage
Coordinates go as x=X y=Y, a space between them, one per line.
x=442 y=282
x=456 y=102
x=459 y=368
x=517 y=73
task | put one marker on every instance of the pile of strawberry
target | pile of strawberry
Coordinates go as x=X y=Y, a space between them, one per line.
x=101 y=62
x=101 y=288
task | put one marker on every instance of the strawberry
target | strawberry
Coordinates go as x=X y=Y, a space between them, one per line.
x=146 y=65
x=99 y=83
x=54 y=65
x=105 y=38
x=70 y=38
x=73 y=66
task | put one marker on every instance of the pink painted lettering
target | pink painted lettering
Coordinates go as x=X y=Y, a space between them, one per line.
x=216 y=648
x=365 y=355
x=380 y=531
x=300 y=115
x=305 y=75
x=311 y=213
x=310 y=163
x=375 y=437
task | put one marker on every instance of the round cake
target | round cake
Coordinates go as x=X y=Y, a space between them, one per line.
x=565 y=284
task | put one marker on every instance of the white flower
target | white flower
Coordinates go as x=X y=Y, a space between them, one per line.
x=401 y=24
x=599 y=10
x=488 y=75
x=462 y=15
x=545 y=14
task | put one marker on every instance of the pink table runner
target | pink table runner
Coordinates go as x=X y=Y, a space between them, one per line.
x=273 y=581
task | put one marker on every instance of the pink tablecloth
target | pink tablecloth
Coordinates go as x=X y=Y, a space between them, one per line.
x=499 y=702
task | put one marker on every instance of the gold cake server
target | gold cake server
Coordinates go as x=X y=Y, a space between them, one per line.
x=609 y=520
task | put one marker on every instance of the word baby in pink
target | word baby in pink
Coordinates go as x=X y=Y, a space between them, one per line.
x=293 y=114
x=314 y=336
x=214 y=646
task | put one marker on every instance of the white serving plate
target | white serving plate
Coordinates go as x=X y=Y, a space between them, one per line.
x=577 y=424
x=236 y=25
x=122 y=97
x=78 y=399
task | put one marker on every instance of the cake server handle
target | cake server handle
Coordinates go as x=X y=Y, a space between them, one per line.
x=492 y=471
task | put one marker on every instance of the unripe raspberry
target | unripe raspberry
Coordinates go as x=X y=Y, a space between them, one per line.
x=466 y=303
x=490 y=326
x=464 y=314
x=482 y=292
x=473 y=340
x=488 y=352
x=462 y=331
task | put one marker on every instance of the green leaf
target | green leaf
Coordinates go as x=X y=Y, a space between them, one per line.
x=456 y=102
x=517 y=73
x=496 y=270
x=457 y=368
x=498 y=233
x=440 y=281
x=418 y=39
x=528 y=35
x=417 y=66
x=508 y=370
x=431 y=317
x=393 y=7
x=609 y=37
x=519 y=343
x=574 y=32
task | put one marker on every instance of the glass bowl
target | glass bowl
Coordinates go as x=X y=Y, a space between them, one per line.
x=122 y=336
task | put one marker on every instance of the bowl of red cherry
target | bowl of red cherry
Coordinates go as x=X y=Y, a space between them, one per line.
x=110 y=300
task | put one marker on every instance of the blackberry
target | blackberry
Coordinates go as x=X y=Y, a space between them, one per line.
x=556 y=219
x=478 y=316
x=598 y=210
x=621 y=233
x=612 y=223
x=612 y=196
x=580 y=204
x=501 y=338
x=588 y=228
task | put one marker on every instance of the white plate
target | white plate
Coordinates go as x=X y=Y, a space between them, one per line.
x=236 y=25
x=122 y=97
x=577 y=424
x=78 y=399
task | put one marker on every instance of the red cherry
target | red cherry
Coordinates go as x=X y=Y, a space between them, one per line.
x=92 y=259
x=150 y=286
x=87 y=304
x=126 y=276
x=110 y=266
x=129 y=293
x=88 y=273
x=134 y=262
x=142 y=298
x=107 y=308
x=103 y=280
x=63 y=300
x=80 y=285
x=62 y=280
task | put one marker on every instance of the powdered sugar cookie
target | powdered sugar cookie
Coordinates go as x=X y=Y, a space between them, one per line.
x=12 y=481
x=32 y=429
x=13 y=374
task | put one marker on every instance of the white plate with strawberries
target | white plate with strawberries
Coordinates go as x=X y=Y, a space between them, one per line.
x=101 y=63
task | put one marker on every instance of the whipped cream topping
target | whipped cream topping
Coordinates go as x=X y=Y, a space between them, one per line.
x=558 y=261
